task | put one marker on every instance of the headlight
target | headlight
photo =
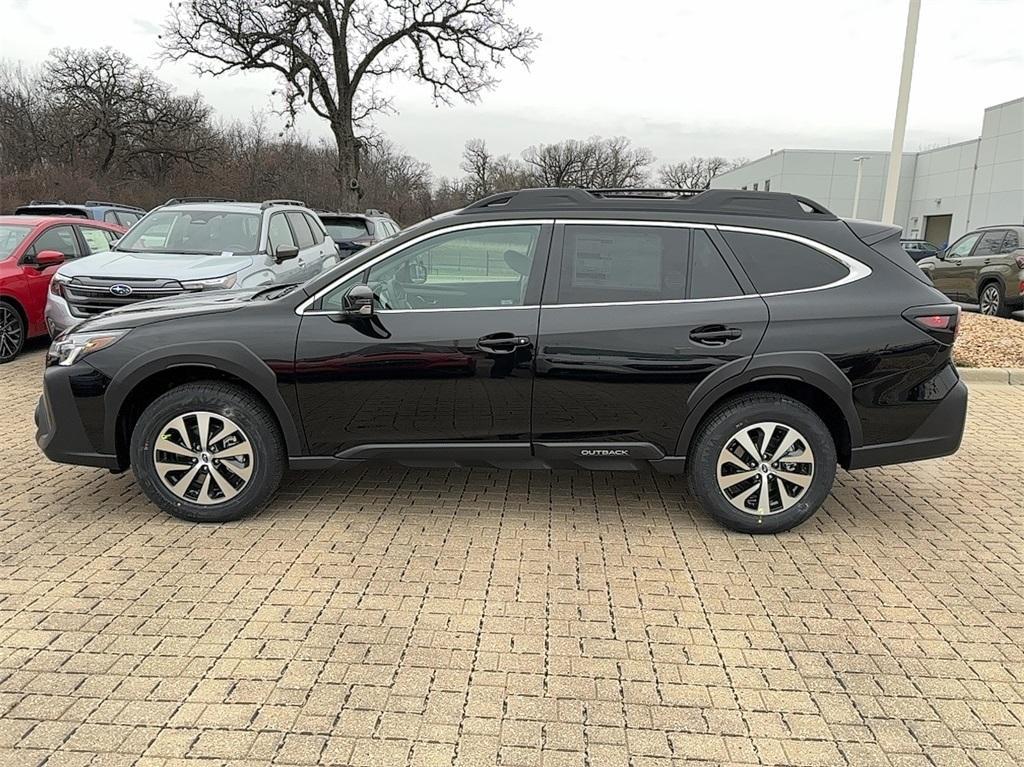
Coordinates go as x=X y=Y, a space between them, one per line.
x=57 y=284
x=70 y=348
x=221 y=283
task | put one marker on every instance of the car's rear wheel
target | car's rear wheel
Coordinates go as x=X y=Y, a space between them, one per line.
x=991 y=300
x=208 y=452
x=12 y=332
x=762 y=463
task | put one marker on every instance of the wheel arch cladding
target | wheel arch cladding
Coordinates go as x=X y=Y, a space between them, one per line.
x=159 y=370
x=808 y=377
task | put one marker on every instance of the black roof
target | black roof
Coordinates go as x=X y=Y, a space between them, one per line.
x=723 y=201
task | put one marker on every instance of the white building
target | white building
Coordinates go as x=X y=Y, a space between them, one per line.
x=943 y=192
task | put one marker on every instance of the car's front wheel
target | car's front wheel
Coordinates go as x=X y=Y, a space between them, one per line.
x=208 y=452
x=762 y=463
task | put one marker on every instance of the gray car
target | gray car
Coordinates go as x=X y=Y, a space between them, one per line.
x=193 y=245
x=984 y=267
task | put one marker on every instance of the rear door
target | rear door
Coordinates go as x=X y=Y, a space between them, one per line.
x=983 y=261
x=61 y=238
x=635 y=315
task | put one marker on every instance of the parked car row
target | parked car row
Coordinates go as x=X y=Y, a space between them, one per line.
x=63 y=263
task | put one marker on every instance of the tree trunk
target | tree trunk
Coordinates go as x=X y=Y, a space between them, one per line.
x=346 y=172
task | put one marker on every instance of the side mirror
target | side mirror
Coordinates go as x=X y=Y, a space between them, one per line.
x=359 y=301
x=285 y=252
x=45 y=258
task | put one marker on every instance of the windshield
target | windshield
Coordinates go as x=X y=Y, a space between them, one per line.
x=200 y=232
x=346 y=228
x=11 y=236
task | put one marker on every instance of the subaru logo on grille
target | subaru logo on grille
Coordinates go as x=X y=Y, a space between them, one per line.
x=120 y=289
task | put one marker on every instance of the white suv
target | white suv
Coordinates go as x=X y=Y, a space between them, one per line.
x=191 y=245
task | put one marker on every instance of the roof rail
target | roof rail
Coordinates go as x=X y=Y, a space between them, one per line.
x=268 y=203
x=655 y=193
x=112 y=204
x=187 y=200
x=375 y=212
x=723 y=201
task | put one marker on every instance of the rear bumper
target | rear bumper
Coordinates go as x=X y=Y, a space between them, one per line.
x=939 y=435
x=60 y=431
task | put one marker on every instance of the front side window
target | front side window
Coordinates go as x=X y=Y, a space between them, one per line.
x=59 y=238
x=111 y=217
x=472 y=268
x=777 y=264
x=280 y=233
x=963 y=246
x=194 y=232
x=612 y=264
x=304 y=237
x=709 y=275
x=991 y=243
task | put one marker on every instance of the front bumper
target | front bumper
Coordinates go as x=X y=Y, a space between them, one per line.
x=58 y=315
x=939 y=435
x=67 y=405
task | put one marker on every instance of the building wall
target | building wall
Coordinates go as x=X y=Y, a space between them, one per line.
x=978 y=182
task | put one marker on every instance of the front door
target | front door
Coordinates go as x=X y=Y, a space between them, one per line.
x=633 y=318
x=446 y=358
x=953 y=274
x=60 y=238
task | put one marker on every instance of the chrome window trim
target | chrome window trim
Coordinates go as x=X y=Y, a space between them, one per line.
x=425 y=236
x=857 y=270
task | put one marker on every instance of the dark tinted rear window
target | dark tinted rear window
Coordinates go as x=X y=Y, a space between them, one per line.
x=346 y=228
x=709 y=275
x=775 y=264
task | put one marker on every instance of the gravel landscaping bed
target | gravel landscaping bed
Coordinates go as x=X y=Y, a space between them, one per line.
x=989 y=342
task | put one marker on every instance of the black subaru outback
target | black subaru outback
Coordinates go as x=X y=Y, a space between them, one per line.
x=751 y=340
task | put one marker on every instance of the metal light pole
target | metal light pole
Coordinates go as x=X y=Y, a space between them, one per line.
x=899 y=128
x=856 y=190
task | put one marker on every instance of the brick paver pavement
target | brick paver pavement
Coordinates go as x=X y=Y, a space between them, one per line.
x=474 y=617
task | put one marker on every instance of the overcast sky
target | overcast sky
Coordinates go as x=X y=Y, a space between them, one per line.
x=683 y=77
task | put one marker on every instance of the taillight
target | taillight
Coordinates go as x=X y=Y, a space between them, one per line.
x=1020 y=261
x=941 y=322
x=1020 y=287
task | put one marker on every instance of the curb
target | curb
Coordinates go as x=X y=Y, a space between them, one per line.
x=1004 y=376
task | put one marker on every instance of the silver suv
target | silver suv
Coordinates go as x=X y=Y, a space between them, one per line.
x=193 y=245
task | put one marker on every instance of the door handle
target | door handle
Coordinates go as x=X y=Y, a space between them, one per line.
x=715 y=335
x=502 y=343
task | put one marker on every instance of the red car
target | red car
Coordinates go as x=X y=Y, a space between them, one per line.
x=31 y=249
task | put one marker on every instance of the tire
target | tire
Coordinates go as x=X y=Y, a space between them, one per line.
x=990 y=300
x=12 y=332
x=238 y=468
x=717 y=451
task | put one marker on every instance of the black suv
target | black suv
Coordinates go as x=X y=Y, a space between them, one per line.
x=753 y=340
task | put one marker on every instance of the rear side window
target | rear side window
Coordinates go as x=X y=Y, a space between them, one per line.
x=111 y=217
x=315 y=228
x=991 y=243
x=611 y=264
x=709 y=275
x=97 y=240
x=301 y=229
x=776 y=264
x=1012 y=242
x=127 y=218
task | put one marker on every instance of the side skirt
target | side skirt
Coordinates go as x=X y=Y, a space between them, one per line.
x=591 y=456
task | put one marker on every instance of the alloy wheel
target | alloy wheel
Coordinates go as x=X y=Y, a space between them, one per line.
x=990 y=300
x=10 y=331
x=204 y=458
x=765 y=468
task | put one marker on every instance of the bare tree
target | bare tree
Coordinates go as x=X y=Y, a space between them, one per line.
x=695 y=173
x=330 y=54
x=596 y=162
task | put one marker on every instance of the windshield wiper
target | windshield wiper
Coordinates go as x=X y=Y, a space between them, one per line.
x=284 y=288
